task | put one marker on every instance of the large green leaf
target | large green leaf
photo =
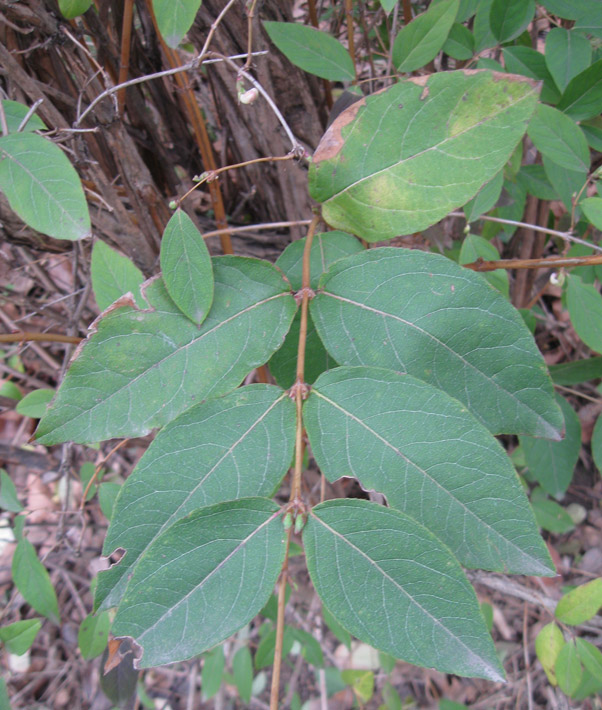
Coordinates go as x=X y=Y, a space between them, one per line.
x=174 y=19
x=394 y=585
x=582 y=98
x=552 y=462
x=186 y=267
x=431 y=459
x=312 y=50
x=237 y=446
x=203 y=579
x=559 y=138
x=567 y=54
x=140 y=369
x=42 y=186
x=399 y=161
x=113 y=275
x=422 y=39
x=422 y=314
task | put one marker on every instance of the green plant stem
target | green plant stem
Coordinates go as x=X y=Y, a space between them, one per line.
x=300 y=392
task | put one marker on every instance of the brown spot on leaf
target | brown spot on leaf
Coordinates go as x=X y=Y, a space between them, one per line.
x=332 y=141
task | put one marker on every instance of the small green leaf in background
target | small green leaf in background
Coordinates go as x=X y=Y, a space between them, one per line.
x=509 y=18
x=580 y=604
x=422 y=39
x=475 y=247
x=566 y=183
x=597 y=444
x=33 y=581
x=8 y=494
x=174 y=19
x=593 y=132
x=73 y=8
x=93 y=634
x=311 y=649
x=451 y=705
x=391 y=698
x=388 y=5
x=264 y=656
x=592 y=209
x=42 y=186
x=35 y=403
x=107 y=494
x=114 y=275
x=186 y=267
x=559 y=138
x=14 y=112
x=361 y=682
x=338 y=631
x=487 y=611
x=568 y=668
x=582 y=98
x=552 y=517
x=591 y=657
x=459 y=43
x=567 y=54
x=485 y=199
x=213 y=669
x=242 y=669
x=535 y=181
x=548 y=645
x=19 y=636
x=312 y=50
x=11 y=390
x=86 y=472
x=576 y=372
x=482 y=29
x=552 y=462
x=584 y=303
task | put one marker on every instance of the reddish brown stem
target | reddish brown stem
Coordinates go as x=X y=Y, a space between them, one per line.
x=42 y=337
x=551 y=262
x=126 y=42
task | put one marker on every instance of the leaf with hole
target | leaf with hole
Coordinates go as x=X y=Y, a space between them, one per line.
x=42 y=186
x=420 y=313
x=140 y=369
x=394 y=585
x=398 y=161
x=207 y=455
x=202 y=579
x=312 y=50
x=431 y=459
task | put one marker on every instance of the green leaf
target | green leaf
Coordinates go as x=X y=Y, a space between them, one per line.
x=552 y=517
x=242 y=668
x=581 y=604
x=552 y=462
x=422 y=39
x=186 y=267
x=568 y=668
x=42 y=186
x=534 y=180
x=485 y=199
x=566 y=183
x=559 y=138
x=567 y=54
x=107 y=493
x=582 y=98
x=140 y=369
x=14 y=112
x=4 y=699
x=475 y=247
x=361 y=682
x=312 y=50
x=35 y=403
x=397 y=167
x=388 y=5
x=312 y=651
x=212 y=673
x=237 y=446
x=8 y=494
x=422 y=314
x=93 y=635
x=509 y=18
x=73 y=8
x=591 y=657
x=589 y=19
x=32 y=580
x=596 y=444
x=431 y=459
x=484 y=38
x=529 y=62
x=338 y=631
x=592 y=209
x=19 y=636
x=264 y=656
x=174 y=19
x=114 y=275
x=393 y=585
x=548 y=645
x=593 y=132
x=459 y=43
x=568 y=9
x=584 y=303
x=574 y=373
x=202 y=579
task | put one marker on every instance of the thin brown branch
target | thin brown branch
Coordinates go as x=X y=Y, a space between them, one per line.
x=275 y=690
x=126 y=41
x=350 y=38
x=250 y=16
x=550 y=262
x=40 y=337
x=407 y=11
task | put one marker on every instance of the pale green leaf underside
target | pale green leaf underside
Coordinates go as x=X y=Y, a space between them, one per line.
x=392 y=584
x=14 y=112
x=113 y=275
x=312 y=50
x=420 y=313
x=203 y=579
x=415 y=152
x=143 y=368
x=236 y=446
x=186 y=267
x=175 y=18
x=432 y=460
x=42 y=186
